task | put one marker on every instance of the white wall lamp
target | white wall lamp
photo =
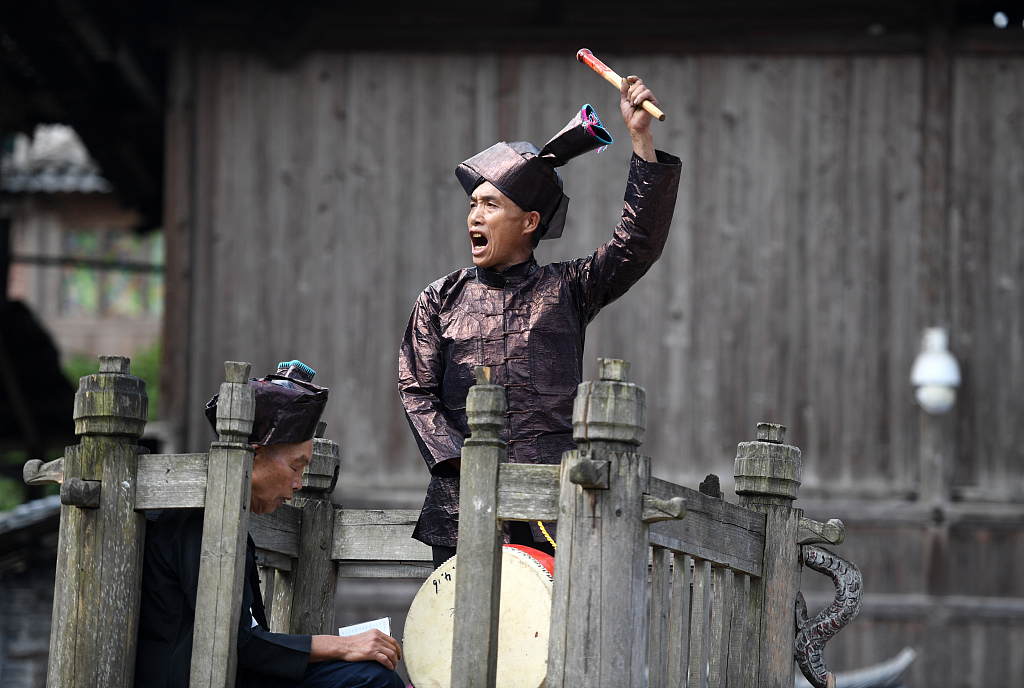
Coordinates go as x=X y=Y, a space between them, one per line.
x=935 y=374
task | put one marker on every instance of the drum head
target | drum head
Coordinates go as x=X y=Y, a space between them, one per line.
x=523 y=625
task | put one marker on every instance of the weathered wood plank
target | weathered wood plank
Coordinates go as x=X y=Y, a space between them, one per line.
x=478 y=570
x=225 y=522
x=739 y=630
x=35 y=472
x=700 y=623
x=657 y=652
x=272 y=561
x=171 y=481
x=679 y=636
x=780 y=584
x=721 y=626
x=624 y=572
x=180 y=205
x=392 y=569
x=281 y=605
x=527 y=492
x=315 y=573
x=985 y=213
x=558 y=637
x=713 y=529
x=372 y=535
x=767 y=477
x=64 y=621
x=277 y=531
x=96 y=595
x=601 y=640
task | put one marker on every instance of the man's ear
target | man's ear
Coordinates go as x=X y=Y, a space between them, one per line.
x=531 y=221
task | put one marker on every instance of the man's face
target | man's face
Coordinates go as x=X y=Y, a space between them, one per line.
x=277 y=473
x=500 y=231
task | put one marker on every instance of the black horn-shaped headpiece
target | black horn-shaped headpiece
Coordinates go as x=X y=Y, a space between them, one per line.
x=528 y=175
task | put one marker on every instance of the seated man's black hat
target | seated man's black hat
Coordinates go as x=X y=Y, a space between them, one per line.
x=528 y=175
x=288 y=405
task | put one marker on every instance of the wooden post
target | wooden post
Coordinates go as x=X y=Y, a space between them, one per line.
x=599 y=609
x=768 y=476
x=478 y=567
x=315 y=576
x=225 y=529
x=99 y=560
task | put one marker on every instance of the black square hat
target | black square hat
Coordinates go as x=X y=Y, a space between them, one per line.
x=528 y=175
x=288 y=405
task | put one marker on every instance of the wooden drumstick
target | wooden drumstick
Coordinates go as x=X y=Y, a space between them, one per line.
x=587 y=58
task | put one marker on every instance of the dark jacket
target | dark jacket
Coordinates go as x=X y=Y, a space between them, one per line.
x=170 y=580
x=528 y=323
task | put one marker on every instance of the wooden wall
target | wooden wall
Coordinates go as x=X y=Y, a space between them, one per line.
x=326 y=200
x=830 y=208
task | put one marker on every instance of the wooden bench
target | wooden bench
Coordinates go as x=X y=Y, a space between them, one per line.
x=722 y=578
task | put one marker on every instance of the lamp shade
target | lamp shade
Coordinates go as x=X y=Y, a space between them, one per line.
x=935 y=374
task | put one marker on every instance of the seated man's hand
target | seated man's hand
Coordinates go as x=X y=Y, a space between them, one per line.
x=369 y=646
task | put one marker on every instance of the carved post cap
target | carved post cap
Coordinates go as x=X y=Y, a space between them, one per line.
x=612 y=370
x=768 y=468
x=771 y=432
x=610 y=410
x=111 y=402
x=236 y=371
x=236 y=405
x=485 y=406
x=115 y=364
x=321 y=475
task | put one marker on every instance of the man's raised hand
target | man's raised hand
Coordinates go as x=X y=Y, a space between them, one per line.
x=632 y=94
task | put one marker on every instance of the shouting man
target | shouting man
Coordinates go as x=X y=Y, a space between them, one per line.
x=525 y=320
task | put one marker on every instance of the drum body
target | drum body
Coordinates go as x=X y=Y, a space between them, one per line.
x=524 y=622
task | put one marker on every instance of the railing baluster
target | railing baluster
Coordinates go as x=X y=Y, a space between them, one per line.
x=721 y=625
x=658 y=649
x=679 y=635
x=699 y=624
x=738 y=633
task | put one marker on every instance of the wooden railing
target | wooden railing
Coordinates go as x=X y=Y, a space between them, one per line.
x=722 y=578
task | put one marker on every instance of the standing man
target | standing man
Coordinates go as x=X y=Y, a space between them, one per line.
x=288 y=406
x=525 y=320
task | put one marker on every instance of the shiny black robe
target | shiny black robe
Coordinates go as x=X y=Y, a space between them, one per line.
x=528 y=323
x=170 y=580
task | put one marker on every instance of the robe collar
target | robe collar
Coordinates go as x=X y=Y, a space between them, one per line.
x=512 y=274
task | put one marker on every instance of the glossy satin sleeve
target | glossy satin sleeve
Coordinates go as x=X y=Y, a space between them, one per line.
x=639 y=238
x=420 y=384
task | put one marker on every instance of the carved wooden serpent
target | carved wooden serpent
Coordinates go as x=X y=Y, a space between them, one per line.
x=812 y=634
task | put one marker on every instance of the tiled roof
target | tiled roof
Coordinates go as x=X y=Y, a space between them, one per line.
x=52 y=160
x=52 y=176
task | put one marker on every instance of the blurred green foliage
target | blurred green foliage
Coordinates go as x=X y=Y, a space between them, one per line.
x=145 y=364
x=12 y=490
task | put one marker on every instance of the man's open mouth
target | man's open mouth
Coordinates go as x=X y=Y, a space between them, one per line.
x=478 y=239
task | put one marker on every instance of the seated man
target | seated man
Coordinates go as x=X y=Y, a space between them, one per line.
x=288 y=407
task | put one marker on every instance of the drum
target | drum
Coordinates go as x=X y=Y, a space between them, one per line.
x=523 y=623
